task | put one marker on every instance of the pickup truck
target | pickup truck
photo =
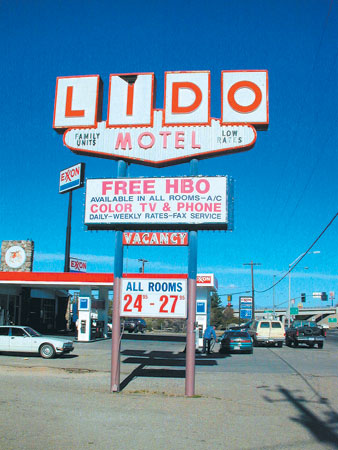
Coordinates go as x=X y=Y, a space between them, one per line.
x=305 y=332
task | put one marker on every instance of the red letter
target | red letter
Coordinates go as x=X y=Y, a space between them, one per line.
x=130 y=99
x=69 y=100
x=244 y=84
x=176 y=109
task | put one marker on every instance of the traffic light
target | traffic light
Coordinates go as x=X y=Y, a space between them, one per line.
x=229 y=300
x=324 y=296
x=303 y=297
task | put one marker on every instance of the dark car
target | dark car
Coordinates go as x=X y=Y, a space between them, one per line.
x=305 y=332
x=236 y=340
x=134 y=325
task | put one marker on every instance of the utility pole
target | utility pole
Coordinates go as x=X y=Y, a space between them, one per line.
x=252 y=285
x=142 y=261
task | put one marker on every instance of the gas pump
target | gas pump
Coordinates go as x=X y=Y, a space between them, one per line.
x=202 y=318
x=84 y=319
x=206 y=284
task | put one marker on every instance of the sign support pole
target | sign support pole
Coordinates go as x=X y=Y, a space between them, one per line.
x=116 y=323
x=68 y=232
x=192 y=277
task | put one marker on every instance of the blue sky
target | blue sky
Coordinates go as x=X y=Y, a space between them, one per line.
x=286 y=187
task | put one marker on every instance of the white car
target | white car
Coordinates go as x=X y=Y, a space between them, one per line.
x=26 y=340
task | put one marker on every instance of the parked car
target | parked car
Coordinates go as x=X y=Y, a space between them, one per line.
x=134 y=325
x=235 y=340
x=26 y=340
x=267 y=332
x=305 y=332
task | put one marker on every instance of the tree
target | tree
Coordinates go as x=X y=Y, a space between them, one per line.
x=217 y=311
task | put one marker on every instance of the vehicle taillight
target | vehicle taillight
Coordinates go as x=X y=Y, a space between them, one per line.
x=284 y=334
x=324 y=333
x=297 y=333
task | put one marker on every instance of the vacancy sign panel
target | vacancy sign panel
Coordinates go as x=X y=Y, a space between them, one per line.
x=155 y=238
x=162 y=203
x=154 y=297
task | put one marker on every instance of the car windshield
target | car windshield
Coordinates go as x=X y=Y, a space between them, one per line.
x=31 y=332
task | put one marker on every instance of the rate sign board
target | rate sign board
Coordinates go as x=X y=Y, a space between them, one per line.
x=245 y=307
x=135 y=131
x=159 y=203
x=154 y=297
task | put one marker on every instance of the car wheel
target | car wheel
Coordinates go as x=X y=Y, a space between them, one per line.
x=47 y=351
x=288 y=342
x=320 y=344
x=295 y=343
x=279 y=344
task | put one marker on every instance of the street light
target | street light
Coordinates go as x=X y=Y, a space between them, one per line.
x=143 y=261
x=290 y=266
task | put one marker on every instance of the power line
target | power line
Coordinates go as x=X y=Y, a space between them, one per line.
x=307 y=251
x=292 y=267
x=299 y=118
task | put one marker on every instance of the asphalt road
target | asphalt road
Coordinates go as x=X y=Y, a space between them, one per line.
x=276 y=398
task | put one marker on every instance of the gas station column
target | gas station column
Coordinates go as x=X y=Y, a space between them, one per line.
x=104 y=295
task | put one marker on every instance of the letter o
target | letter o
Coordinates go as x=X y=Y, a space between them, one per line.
x=200 y=189
x=240 y=85
x=141 y=136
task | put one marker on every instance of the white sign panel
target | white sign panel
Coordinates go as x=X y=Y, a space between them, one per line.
x=245 y=97
x=159 y=145
x=157 y=202
x=155 y=297
x=76 y=101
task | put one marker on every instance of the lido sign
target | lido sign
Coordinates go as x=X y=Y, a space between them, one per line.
x=137 y=132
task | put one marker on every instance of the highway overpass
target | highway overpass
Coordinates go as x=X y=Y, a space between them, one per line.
x=322 y=315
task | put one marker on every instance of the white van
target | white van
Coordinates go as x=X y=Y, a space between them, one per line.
x=267 y=332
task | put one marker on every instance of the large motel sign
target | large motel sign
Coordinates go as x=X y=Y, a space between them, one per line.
x=135 y=132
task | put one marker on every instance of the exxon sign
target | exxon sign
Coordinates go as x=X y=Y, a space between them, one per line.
x=136 y=132
x=71 y=178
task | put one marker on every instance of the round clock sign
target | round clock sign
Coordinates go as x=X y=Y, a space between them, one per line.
x=15 y=257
